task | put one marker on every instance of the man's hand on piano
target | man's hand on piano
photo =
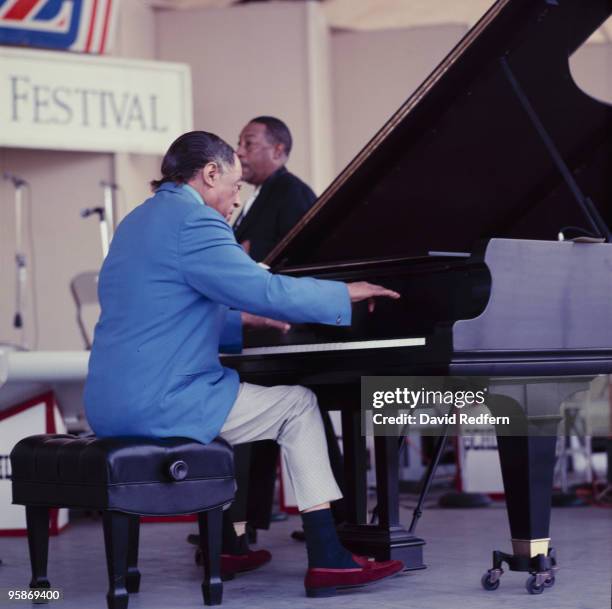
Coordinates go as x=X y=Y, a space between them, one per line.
x=255 y=321
x=362 y=290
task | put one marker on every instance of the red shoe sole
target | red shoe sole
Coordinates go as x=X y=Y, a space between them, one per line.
x=333 y=590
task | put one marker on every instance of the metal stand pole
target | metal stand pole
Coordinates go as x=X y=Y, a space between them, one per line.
x=109 y=189
x=106 y=215
x=104 y=232
x=431 y=470
x=104 y=237
x=21 y=272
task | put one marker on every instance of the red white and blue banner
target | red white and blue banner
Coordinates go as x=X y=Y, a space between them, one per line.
x=84 y=26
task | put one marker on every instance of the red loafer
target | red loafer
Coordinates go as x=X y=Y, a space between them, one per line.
x=326 y=582
x=364 y=561
x=239 y=563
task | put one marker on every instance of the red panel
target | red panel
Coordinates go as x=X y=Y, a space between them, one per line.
x=183 y=518
x=106 y=25
x=13 y=532
x=48 y=398
x=92 y=23
x=21 y=9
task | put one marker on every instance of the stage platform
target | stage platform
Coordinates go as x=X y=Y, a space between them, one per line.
x=458 y=551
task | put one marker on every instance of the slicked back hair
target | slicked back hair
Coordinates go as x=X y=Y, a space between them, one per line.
x=189 y=153
x=276 y=131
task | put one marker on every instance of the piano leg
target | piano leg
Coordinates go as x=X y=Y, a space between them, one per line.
x=527 y=469
x=398 y=543
x=355 y=468
x=527 y=464
x=388 y=539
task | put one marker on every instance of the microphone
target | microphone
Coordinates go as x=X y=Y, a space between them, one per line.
x=88 y=211
x=16 y=180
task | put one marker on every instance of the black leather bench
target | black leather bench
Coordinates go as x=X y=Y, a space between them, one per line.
x=124 y=478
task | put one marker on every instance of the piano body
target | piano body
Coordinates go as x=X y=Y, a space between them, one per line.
x=457 y=203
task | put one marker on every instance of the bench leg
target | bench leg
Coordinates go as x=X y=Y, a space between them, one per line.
x=210 y=546
x=133 y=574
x=37 y=519
x=116 y=532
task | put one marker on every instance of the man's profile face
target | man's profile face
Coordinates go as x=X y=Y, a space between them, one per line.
x=259 y=157
x=224 y=196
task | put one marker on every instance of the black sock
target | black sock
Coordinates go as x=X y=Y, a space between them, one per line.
x=232 y=543
x=322 y=543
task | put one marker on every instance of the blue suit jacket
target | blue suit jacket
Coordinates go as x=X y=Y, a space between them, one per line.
x=170 y=290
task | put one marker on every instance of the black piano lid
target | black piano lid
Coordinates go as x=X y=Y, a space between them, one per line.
x=461 y=161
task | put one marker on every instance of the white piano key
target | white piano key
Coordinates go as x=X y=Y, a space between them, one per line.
x=394 y=343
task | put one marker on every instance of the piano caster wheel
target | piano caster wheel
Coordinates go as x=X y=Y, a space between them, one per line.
x=550 y=581
x=490 y=580
x=535 y=584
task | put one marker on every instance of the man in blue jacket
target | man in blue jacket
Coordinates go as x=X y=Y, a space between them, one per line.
x=172 y=290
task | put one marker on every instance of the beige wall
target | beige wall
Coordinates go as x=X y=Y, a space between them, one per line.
x=257 y=59
x=62 y=183
x=135 y=39
x=135 y=33
x=374 y=72
x=591 y=68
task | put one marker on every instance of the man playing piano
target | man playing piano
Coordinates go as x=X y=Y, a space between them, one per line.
x=172 y=290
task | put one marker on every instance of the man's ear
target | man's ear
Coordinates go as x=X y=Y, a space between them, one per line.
x=210 y=173
x=278 y=152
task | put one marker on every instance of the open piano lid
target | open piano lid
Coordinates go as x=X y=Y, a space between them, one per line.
x=462 y=160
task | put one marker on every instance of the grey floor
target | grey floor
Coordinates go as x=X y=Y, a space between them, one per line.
x=459 y=544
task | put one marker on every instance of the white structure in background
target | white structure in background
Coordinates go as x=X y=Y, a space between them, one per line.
x=38 y=416
x=27 y=374
x=32 y=385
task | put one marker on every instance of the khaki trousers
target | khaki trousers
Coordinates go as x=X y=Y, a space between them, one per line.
x=290 y=416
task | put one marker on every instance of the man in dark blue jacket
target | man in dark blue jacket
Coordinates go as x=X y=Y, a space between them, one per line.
x=280 y=199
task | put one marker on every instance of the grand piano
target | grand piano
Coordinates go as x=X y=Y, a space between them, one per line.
x=485 y=201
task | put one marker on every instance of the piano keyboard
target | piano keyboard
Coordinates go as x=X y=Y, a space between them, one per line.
x=393 y=343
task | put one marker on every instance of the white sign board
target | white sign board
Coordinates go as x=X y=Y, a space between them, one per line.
x=63 y=101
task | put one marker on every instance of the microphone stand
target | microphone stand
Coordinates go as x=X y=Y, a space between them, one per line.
x=106 y=215
x=104 y=235
x=109 y=205
x=21 y=272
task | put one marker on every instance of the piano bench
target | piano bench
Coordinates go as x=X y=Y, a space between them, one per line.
x=124 y=477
